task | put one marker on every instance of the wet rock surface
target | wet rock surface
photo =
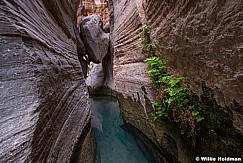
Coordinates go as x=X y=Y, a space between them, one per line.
x=44 y=101
x=95 y=39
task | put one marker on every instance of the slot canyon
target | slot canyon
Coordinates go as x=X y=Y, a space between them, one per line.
x=121 y=81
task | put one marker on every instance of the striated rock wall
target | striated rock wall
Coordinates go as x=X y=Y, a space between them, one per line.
x=200 y=40
x=44 y=102
x=129 y=66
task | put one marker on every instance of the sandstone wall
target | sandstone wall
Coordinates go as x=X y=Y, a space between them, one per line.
x=44 y=104
x=200 y=40
x=129 y=66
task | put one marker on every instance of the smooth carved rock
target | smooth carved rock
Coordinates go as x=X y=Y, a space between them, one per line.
x=95 y=39
x=96 y=76
x=44 y=104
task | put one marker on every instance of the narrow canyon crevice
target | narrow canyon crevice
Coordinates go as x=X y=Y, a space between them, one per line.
x=46 y=78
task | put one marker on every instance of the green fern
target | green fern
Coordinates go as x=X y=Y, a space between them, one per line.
x=147 y=44
x=176 y=103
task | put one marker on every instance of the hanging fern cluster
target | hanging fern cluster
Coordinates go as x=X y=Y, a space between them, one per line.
x=173 y=100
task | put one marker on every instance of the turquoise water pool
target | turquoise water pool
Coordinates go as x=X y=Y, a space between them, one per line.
x=114 y=144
